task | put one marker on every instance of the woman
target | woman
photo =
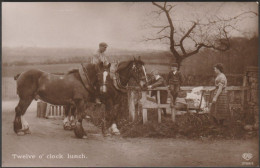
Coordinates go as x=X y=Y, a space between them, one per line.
x=219 y=109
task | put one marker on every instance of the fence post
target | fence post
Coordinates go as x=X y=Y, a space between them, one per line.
x=131 y=104
x=243 y=91
x=173 y=110
x=48 y=110
x=159 y=109
x=144 y=110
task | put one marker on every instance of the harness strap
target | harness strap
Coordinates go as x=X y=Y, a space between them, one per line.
x=116 y=80
x=85 y=79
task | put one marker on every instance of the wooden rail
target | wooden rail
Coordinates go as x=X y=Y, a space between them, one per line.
x=46 y=110
x=145 y=104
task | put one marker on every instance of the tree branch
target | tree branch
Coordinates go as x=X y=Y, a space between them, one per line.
x=157 y=38
x=171 y=27
x=165 y=27
x=185 y=36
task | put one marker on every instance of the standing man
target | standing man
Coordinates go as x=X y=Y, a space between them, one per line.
x=98 y=57
x=175 y=79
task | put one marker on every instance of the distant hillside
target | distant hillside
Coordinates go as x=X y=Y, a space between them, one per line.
x=24 y=56
x=243 y=52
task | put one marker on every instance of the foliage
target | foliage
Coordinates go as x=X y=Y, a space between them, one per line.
x=189 y=125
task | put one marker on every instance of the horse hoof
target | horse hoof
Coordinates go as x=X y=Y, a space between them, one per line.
x=107 y=135
x=67 y=126
x=79 y=131
x=85 y=137
x=116 y=133
x=20 y=133
x=73 y=125
x=27 y=131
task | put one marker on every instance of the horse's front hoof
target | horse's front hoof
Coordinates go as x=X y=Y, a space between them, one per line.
x=67 y=126
x=79 y=131
x=107 y=135
x=27 y=131
x=116 y=133
x=73 y=125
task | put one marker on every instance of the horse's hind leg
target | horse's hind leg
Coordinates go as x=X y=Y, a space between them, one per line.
x=21 y=126
x=73 y=117
x=66 y=122
x=79 y=130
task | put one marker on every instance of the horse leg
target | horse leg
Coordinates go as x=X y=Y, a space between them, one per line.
x=79 y=130
x=113 y=128
x=112 y=117
x=106 y=118
x=66 y=122
x=73 y=117
x=21 y=126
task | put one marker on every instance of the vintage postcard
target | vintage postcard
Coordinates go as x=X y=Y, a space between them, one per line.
x=139 y=84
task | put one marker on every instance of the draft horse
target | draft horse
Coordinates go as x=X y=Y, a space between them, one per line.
x=68 y=90
x=117 y=87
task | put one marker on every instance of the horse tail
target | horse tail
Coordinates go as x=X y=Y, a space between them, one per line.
x=17 y=76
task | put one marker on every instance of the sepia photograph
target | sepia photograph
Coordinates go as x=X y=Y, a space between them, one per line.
x=130 y=84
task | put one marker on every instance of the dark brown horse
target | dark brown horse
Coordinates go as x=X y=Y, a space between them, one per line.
x=113 y=97
x=68 y=90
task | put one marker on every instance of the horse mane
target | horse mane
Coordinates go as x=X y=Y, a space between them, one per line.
x=89 y=67
x=124 y=64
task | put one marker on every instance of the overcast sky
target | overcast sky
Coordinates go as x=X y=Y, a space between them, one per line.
x=85 y=24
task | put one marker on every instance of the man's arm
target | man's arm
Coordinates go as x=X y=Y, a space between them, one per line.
x=181 y=78
x=157 y=83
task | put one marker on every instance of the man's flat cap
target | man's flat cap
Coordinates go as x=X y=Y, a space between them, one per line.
x=103 y=44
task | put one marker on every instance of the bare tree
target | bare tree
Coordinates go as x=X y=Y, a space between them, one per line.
x=207 y=32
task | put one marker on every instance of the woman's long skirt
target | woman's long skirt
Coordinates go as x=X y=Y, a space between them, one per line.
x=220 y=109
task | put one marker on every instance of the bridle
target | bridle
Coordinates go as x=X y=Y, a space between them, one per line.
x=134 y=69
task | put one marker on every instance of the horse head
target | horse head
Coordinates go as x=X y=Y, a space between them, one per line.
x=138 y=72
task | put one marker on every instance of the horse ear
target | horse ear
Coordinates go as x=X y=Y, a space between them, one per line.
x=134 y=58
x=139 y=58
x=109 y=65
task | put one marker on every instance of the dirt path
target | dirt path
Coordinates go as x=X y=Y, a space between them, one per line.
x=49 y=138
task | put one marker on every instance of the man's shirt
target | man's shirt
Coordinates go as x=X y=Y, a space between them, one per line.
x=175 y=78
x=99 y=57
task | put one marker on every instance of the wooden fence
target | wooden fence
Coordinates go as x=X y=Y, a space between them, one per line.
x=236 y=96
x=46 y=110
